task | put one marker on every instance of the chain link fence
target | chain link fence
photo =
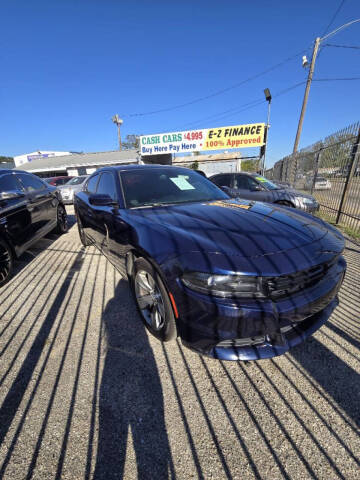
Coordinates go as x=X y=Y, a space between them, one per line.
x=330 y=171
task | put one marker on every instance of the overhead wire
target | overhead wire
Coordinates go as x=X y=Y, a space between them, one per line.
x=218 y=92
x=335 y=79
x=333 y=17
x=238 y=109
x=357 y=47
x=337 y=30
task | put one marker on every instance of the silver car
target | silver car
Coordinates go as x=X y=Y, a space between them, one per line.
x=252 y=186
x=73 y=186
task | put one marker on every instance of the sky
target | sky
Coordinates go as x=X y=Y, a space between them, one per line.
x=68 y=66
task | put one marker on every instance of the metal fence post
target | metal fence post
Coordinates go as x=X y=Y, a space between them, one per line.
x=350 y=174
x=316 y=168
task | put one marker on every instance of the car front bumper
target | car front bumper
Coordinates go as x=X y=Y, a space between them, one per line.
x=253 y=329
x=67 y=198
x=308 y=207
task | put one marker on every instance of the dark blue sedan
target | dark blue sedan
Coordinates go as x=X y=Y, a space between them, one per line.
x=234 y=279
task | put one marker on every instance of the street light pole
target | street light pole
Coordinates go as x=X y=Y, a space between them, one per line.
x=268 y=98
x=119 y=136
x=118 y=122
x=306 y=94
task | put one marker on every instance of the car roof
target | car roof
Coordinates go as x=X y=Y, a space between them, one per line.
x=249 y=174
x=125 y=168
x=60 y=176
x=4 y=171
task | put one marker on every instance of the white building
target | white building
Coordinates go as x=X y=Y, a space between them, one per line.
x=213 y=163
x=78 y=164
x=29 y=157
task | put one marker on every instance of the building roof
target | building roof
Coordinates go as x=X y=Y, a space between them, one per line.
x=80 y=160
x=203 y=157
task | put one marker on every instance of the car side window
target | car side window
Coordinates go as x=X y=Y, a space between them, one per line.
x=91 y=185
x=8 y=183
x=30 y=182
x=244 y=182
x=60 y=181
x=107 y=185
x=222 y=180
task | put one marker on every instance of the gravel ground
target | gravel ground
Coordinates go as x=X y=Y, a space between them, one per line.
x=86 y=393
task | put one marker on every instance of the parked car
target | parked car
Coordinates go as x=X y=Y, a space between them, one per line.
x=321 y=183
x=256 y=187
x=29 y=209
x=68 y=190
x=282 y=184
x=56 y=181
x=201 y=173
x=234 y=279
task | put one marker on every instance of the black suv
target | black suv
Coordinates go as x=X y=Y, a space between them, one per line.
x=29 y=209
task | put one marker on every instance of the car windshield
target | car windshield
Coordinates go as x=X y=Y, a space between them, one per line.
x=266 y=183
x=160 y=186
x=76 y=181
x=320 y=179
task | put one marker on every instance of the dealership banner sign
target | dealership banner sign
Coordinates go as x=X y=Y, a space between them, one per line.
x=220 y=138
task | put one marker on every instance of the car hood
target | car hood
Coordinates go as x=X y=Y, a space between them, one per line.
x=75 y=188
x=236 y=228
x=292 y=192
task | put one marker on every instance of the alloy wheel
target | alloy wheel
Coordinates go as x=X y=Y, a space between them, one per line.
x=149 y=300
x=5 y=263
x=62 y=218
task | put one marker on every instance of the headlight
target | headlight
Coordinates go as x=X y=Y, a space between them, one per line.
x=226 y=286
x=308 y=201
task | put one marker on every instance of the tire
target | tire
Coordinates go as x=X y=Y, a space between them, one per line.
x=83 y=238
x=6 y=262
x=62 y=220
x=155 y=310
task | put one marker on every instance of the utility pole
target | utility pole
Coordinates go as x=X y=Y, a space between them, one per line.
x=118 y=122
x=306 y=95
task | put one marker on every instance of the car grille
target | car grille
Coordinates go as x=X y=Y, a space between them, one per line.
x=242 y=342
x=278 y=287
x=251 y=341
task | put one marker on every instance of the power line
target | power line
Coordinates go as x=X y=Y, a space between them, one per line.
x=239 y=109
x=335 y=79
x=218 y=92
x=342 y=46
x=333 y=17
x=337 y=30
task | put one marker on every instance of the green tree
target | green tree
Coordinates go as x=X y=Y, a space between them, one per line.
x=195 y=165
x=249 y=165
x=131 y=142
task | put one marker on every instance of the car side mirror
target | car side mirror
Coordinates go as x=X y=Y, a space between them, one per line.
x=101 y=200
x=11 y=194
x=255 y=188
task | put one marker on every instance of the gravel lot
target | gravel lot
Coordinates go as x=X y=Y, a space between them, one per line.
x=86 y=393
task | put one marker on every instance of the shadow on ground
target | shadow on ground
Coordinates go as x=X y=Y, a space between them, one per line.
x=335 y=376
x=131 y=398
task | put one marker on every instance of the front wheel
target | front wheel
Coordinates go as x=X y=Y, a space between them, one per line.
x=6 y=262
x=153 y=301
x=62 y=220
x=83 y=238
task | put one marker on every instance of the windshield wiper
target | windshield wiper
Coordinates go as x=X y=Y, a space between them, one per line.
x=150 y=205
